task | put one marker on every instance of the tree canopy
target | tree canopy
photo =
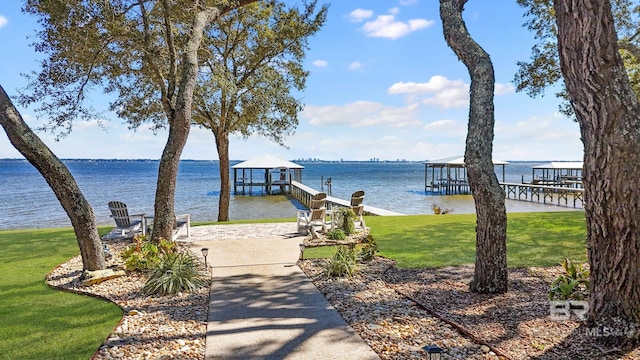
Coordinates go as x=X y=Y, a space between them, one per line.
x=543 y=68
x=142 y=53
x=251 y=68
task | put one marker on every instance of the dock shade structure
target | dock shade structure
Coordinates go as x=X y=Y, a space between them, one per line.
x=267 y=173
x=557 y=173
x=448 y=176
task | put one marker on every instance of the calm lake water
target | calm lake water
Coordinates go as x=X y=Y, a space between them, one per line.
x=26 y=201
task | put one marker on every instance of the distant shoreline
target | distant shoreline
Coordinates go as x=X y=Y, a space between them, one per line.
x=294 y=160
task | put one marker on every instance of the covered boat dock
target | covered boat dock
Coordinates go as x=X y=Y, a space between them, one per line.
x=266 y=173
x=448 y=176
x=558 y=173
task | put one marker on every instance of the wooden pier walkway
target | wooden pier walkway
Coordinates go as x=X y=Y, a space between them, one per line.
x=304 y=193
x=544 y=193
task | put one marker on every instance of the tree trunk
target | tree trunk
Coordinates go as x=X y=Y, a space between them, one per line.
x=180 y=121
x=179 y=125
x=222 y=143
x=59 y=179
x=490 y=274
x=164 y=216
x=608 y=112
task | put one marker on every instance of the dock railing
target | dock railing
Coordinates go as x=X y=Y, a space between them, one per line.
x=546 y=192
x=304 y=193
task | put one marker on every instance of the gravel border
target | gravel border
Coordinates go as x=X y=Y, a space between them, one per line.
x=395 y=311
x=152 y=327
x=398 y=311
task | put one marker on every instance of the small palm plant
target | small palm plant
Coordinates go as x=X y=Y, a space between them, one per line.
x=177 y=272
x=343 y=263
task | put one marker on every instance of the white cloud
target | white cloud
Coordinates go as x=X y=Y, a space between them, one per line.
x=3 y=21
x=359 y=15
x=441 y=92
x=94 y=125
x=502 y=89
x=321 y=63
x=445 y=124
x=538 y=137
x=386 y=26
x=356 y=65
x=447 y=128
x=394 y=11
x=362 y=114
x=408 y=2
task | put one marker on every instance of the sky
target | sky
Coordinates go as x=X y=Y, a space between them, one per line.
x=383 y=84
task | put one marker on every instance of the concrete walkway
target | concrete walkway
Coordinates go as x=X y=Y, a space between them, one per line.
x=262 y=306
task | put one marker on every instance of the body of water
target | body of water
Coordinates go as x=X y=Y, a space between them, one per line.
x=26 y=201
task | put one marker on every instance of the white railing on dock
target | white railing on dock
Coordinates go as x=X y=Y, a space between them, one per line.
x=304 y=193
x=542 y=193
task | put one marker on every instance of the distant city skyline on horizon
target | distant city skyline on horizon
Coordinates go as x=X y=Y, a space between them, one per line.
x=307 y=160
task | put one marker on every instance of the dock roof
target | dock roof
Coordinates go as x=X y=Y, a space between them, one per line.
x=454 y=161
x=267 y=161
x=561 y=165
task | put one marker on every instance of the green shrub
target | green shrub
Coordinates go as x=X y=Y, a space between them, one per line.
x=343 y=262
x=572 y=285
x=177 y=272
x=368 y=251
x=336 y=234
x=345 y=219
x=144 y=254
x=437 y=210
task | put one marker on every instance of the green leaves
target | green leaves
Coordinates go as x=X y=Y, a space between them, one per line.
x=252 y=64
x=343 y=262
x=572 y=285
x=176 y=272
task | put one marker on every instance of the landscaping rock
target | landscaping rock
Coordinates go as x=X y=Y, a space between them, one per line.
x=98 y=276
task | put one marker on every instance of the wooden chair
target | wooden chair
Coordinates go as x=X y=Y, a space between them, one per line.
x=127 y=224
x=311 y=219
x=357 y=198
x=181 y=226
x=318 y=201
x=182 y=222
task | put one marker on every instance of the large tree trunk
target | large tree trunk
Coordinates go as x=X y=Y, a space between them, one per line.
x=222 y=143
x=59 y=179
x=179 y=125
x=609 y=116
x=180 y=121
x=491 y=225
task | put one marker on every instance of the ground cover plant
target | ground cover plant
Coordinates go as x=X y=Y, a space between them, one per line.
x=39 y=322
x=422 y=241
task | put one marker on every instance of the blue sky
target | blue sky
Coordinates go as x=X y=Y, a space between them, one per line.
x=383 y=84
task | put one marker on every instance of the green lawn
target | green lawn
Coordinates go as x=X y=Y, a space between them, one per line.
x=419 y=241
x=37 y=322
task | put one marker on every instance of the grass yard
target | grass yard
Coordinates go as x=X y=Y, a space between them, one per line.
x=37 y=322
x=419 y=241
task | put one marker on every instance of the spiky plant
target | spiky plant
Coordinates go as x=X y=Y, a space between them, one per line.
x=177 y=272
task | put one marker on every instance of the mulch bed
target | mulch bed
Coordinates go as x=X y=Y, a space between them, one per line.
x=398 y=311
